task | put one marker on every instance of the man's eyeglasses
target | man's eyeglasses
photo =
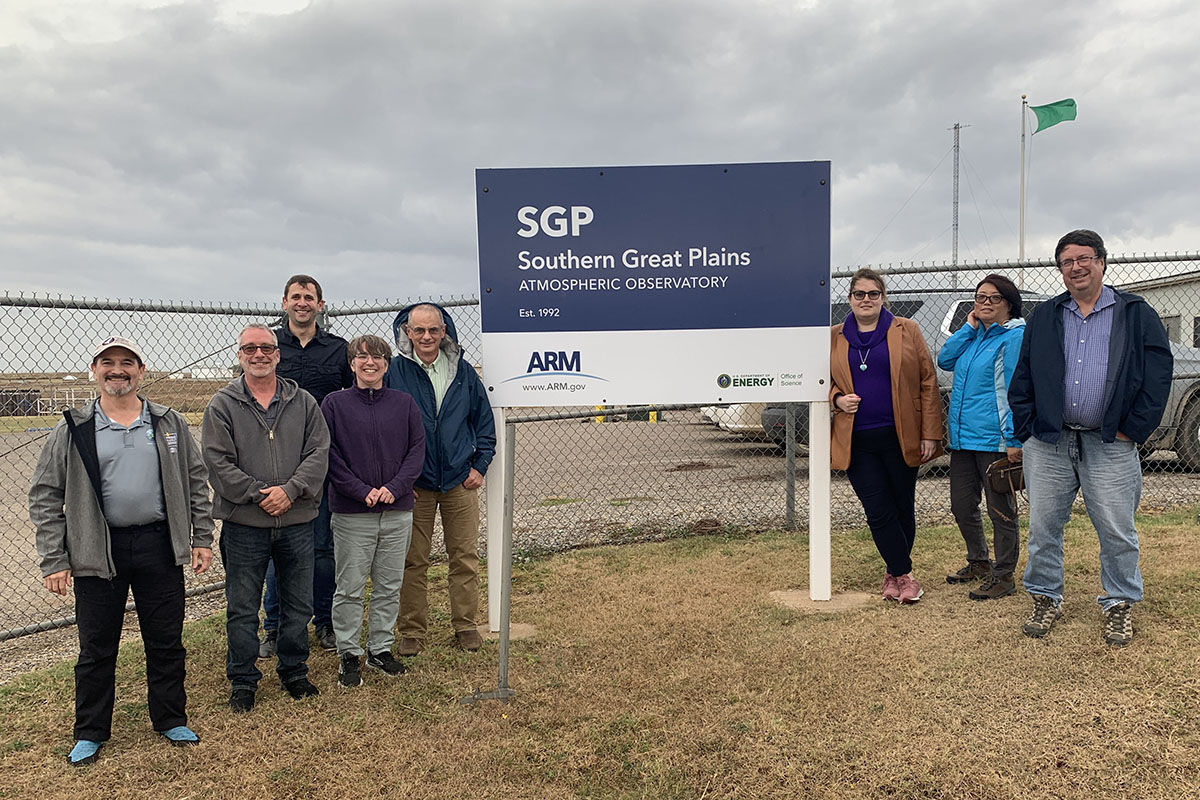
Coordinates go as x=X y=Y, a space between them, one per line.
x=859 y=294
x=422 y=331
x=267 y=349
x=1083 y=261
x=988 y=299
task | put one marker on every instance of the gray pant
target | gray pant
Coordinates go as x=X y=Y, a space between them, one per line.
x=376 y=545
x=968 y=469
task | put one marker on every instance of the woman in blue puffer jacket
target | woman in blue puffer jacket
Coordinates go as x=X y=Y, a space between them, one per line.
x=982 y=354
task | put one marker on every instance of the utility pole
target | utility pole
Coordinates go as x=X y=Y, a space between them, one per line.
x=954 y=223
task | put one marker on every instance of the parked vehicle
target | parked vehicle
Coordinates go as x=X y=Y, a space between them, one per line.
x=941 y=312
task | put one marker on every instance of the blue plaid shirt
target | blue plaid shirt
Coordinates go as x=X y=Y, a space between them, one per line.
x=1085 y=345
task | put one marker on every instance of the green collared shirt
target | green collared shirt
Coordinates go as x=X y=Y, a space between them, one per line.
x=439 y=376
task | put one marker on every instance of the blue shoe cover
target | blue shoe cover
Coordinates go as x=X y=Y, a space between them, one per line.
x=84 y=752
x=181 y=735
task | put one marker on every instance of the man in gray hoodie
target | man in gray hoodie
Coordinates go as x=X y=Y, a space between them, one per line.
x=267 y=447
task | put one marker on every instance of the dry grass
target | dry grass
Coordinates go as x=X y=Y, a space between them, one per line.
x=664 y=670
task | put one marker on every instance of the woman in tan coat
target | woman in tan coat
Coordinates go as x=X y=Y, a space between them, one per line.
x=887 y=421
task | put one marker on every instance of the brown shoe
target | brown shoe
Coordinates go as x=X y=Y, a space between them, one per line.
x=409 y=647
x=469 y=640
x=994 y=586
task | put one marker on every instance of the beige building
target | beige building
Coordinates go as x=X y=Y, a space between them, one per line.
x=1176 y=298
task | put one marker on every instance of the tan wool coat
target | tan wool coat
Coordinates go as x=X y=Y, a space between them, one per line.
x=916 y=403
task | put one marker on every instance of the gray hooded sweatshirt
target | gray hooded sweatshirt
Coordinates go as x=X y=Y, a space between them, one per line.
x=244 y=455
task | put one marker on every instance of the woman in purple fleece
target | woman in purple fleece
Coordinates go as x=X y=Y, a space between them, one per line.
x=377 y=447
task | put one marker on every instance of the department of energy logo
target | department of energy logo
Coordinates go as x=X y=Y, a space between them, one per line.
x=564 y=369
x=739 y=381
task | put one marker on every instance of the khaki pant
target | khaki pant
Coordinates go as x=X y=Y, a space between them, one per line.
x=460 y=526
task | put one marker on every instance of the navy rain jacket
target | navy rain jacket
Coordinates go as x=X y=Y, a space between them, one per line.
x=1139 y=372
x=462 y=435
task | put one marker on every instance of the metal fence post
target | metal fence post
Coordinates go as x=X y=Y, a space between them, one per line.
x=789 y=449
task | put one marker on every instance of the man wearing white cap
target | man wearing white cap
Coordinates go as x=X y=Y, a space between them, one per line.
x=120 y=501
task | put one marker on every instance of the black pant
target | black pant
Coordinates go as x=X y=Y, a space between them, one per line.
x=145 y=562
x=968 y=475
x=886 y=486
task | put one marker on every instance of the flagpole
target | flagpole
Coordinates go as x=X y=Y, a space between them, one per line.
x=1021 y=243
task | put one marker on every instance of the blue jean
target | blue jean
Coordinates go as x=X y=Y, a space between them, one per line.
x=1110 y=476
x=245 y=552
x=323 y=575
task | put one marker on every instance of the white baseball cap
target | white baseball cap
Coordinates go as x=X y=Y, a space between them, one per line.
x=118 y=341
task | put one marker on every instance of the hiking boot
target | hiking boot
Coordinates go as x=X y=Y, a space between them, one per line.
x=469 y=640
x=409 y=647
x=241 y=700
x=1045 y=612
x=385 y=663
x=269 y=644
x=973 y=571
x=1118 y=625
x=349 y=675
x=326 y=639
x=301 y=688
x=910 y=590
x=994 y=586
x=891 y=589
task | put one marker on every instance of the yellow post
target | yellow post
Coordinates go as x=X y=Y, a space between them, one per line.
x=654 y=416
x=599 y=418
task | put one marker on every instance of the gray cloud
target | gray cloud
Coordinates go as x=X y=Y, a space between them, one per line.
x=191 y=157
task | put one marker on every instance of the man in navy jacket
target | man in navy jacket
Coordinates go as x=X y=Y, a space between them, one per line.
x=460 y=440
x=1091 y=383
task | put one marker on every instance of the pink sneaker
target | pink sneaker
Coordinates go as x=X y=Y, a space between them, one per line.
x=891 y=589
x=910 y=590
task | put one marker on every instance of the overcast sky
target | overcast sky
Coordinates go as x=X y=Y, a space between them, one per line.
x=206 y=150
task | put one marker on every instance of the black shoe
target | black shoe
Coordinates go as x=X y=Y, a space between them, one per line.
x=349 y=674
x=301 y=688
x=326 y=639
x=269 y=644
x=384 y=662
x=242 y=700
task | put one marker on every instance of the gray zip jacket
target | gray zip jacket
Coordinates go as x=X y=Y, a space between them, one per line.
x=244 y=455
x=72 y=532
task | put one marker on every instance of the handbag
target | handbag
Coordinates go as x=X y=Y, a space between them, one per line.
x=1005 y=477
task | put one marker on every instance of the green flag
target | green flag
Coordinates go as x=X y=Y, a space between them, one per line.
x=1053 y=113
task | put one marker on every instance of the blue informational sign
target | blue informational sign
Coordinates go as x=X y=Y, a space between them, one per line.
x=591 y=278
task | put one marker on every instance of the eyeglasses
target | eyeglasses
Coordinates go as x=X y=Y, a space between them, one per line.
x=1083 y=261
x=366 y=356
x=267 y=349
x=989 y=299
x=422 y=331
x=859 y=294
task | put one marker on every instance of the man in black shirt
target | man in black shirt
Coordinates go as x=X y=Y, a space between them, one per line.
x=316 y=360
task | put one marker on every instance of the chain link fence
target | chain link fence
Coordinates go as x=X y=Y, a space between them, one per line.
x=583 y=476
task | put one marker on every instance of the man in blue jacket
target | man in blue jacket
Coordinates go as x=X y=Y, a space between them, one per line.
x=460 y=440
x=1091 y=384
